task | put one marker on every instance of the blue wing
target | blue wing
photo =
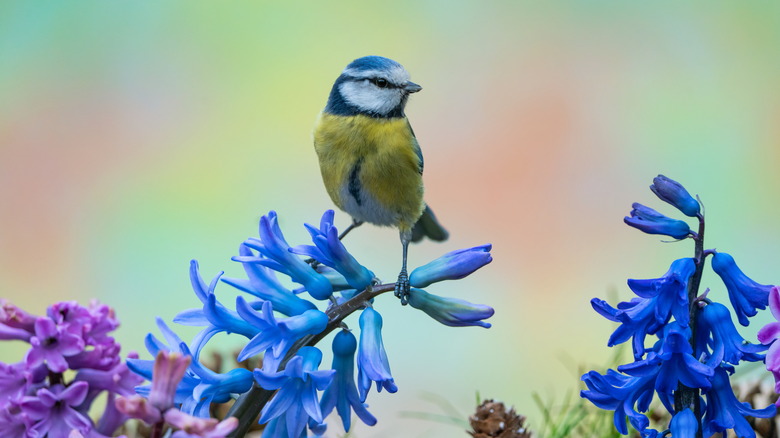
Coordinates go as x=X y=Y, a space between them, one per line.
x=416 y=146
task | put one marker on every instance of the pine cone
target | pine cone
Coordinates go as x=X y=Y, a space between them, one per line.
x=493 y=421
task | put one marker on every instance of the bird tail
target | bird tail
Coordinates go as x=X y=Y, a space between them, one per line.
x=428 y=226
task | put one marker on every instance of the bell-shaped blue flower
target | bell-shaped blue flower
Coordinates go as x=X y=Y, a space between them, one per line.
x=214 y=387
x=716 y=331
x=724 y=411
x=342 y=394
x=262 y=283
x=274 y=336
x=746 y=295
x=677 y=364
x=329 y=251
x=626 y=395
x=652 y=222
x=684 y=424
x=296 y=398
x=215 y=316
x=671 y=291
x=674 y=193
x=450 y=311
x=277 y=256
x=145 y=368
x=373 y=365
x=637 y=318
x=451 y=266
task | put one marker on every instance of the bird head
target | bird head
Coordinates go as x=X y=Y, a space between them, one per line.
x=372 y=85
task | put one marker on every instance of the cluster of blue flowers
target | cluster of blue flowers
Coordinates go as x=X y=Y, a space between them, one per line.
x=696 y=344
x=282 y=326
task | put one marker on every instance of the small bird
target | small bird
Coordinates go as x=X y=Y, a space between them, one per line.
x=369 y=157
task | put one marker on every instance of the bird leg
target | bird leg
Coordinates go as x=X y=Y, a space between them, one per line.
x=355 y=223
x=402 y=284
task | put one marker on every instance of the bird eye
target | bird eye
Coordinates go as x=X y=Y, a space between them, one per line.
x=379 y=82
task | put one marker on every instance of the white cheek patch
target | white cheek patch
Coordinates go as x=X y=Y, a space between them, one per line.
x=368 y=97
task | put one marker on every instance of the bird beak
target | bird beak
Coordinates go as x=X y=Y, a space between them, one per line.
x=411 y=87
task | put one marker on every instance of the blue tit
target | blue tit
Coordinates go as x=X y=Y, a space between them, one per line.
x=369 y=157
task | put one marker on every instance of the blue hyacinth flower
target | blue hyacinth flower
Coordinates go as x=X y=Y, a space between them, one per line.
x=716 y=330
x=671 y=291
x=262 y=283
x=684 y=424
x=214 y=387
x=214 y=315
x=626 y=395
x=342 y=394
x=724 y=411
x=674 y=193
x=450 y=311
x=277 y=256
x=274 y=336
x=746 y=295
x=373 y=365
x=637 y=319
x=296 y=398
x=329 y=250
x=647 y=220
x=451 y=266
x=673 y=362
x=145 y=367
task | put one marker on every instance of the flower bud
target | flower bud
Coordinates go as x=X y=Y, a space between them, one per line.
x=674 y=193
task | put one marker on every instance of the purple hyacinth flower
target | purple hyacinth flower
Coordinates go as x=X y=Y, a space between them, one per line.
x=14 y=381
x=724 y=411
x=373 y=365
x=675 y=194
x=119 y=379
x=451 y=266
x=277 y=256
x=52 y=345
x=647 y=220
x=262 y=283
x=276 y=336
x=14 y=317
x=329 y=250
x=195 y=427
x=716 y=330
x=15 y=423
x=677 y=364
x=684 y=424
x=450 y=311
x=297 y=385
x=342 y=394
x=626 y=395
x=746 y=295
x=53 y=410
x=671 y=291
x=169 y=368
x=769 y=334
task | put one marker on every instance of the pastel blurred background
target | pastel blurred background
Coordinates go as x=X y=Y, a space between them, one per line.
x=135 y=136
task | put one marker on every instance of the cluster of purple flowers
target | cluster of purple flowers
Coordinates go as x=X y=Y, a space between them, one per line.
x=282 y=326
x=37 y=397
x=696 y=344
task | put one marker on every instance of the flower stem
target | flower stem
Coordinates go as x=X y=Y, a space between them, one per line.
x=685 y=396
x=248 y=406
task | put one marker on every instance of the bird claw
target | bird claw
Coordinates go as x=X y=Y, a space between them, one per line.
x=402 y=288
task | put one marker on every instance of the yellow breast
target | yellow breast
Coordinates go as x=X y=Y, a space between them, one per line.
x=371 y=168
